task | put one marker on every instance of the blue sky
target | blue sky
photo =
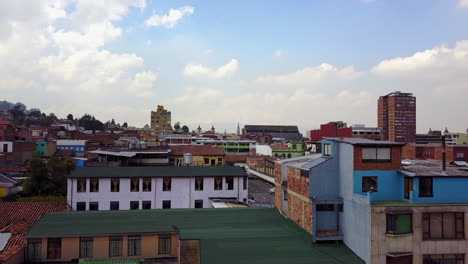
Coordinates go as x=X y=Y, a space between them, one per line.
x=223 y=62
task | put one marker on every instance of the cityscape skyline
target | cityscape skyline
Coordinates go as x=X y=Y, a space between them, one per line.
x=287 y=60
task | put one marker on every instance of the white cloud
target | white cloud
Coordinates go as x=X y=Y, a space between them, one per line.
x=198 y=70
x=148 y=42
x=278 y=53
x=195 y=96
x=171 y=19
x=462 y=3
x=208 y=52
x=310 y=75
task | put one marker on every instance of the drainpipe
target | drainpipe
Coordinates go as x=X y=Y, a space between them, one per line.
x=444 y=158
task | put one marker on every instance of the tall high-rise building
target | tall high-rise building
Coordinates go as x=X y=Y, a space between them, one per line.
x=397 y=117
x=161 y=121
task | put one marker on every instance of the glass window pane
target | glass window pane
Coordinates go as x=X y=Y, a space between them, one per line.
x=449 y=225
x=369 y=153
x=436 y=225
x=404 y=223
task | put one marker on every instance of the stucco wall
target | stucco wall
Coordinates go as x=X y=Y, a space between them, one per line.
x=182 y=194
x=445 y=190
x=389 y=184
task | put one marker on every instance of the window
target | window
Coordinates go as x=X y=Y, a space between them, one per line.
x=86 y=247
x=244 y=183
x=147 y=184
x=81 y=206
x=218 y=184
x=327 y=149
x=376 y=154
x=167 y=184
x=134 y=205
x=444 y=259
x=407 y=259
x=81 y=185
x=206 y=161
x=399 y=223
x=164 y=245
x=460 y=155
x=114 y=205
x=198 y=203
x=325 y=207
x=94 y=185
x=304 y=173
x=134 y=185
x=134 y=245
x=115 y=185
x=220 y=161
x=369 y=184
x=115 y=246
x=230 y=183
x=425 y=187
x=34 y=248
x=443 y=226
x=213 y=162
x=146 y=205
x=54 y=248
x=340 y=207
x=199 y=184
x=285 y=195
x=93 y=206
x=166 y=204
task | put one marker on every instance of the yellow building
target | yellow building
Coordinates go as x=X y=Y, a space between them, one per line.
x=161 y=121
x=200 y=155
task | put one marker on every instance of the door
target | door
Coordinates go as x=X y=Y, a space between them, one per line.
x=408 y=187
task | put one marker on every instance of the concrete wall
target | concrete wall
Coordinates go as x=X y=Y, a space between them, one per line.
x=382 y=243
x=182 y=194
x=71 y=248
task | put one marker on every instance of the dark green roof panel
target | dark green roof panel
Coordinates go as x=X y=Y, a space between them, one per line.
x=158 y=171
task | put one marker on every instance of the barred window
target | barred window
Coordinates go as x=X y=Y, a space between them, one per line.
x=34 y=248
x=146 y=205
x=86 y=247
x=134 y=245
x=164 y=245
x=134 y=205
x=115 y=246
x=54 y=248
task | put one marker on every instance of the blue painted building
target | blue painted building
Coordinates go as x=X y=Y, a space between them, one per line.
x=78 y=146
x=385 y=210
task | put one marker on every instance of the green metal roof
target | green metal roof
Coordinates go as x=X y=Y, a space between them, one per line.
x=231 y=235
x=157 y=171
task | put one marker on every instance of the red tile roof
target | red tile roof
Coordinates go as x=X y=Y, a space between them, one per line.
x=197 y=150
x=235 y=159
x=16 y=218
x=279 y=146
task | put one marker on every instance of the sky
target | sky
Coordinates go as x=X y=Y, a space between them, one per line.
x=222 y=62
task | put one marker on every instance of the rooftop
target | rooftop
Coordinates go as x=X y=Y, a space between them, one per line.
x=364 y=141
x=402 y=203
x=160 y=171
x=432 y=168
x=267 y=128
x=197 y=150
x=230 y=235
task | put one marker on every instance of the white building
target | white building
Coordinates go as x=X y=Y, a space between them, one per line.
x=126 y=188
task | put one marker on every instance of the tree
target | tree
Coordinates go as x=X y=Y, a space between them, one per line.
x=48 y=178
x=185 y=129
x=70 y=117
x=18 y=113
x=177 y=126
x=35 y=113
x=125 y=125
x=112 y=122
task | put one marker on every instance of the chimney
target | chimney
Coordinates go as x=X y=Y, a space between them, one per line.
x=443 y=153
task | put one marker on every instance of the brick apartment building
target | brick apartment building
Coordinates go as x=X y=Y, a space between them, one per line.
x=397 y=117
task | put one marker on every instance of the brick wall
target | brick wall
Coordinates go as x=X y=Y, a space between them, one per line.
x=298 y=184
x=278 y=197
x=408 y=152
x=300 y=212
x=393 y=165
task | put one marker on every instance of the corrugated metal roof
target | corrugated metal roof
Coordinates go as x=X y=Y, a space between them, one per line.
x=432 y=168
x=364 y=141
x=314 y=163
x=158 y=171
x=4 y=237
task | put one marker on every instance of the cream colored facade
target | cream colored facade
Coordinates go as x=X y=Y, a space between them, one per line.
x=70 y=248
x=383 y=244
x=462 y=138
x=201 y=160
x=161 y=121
